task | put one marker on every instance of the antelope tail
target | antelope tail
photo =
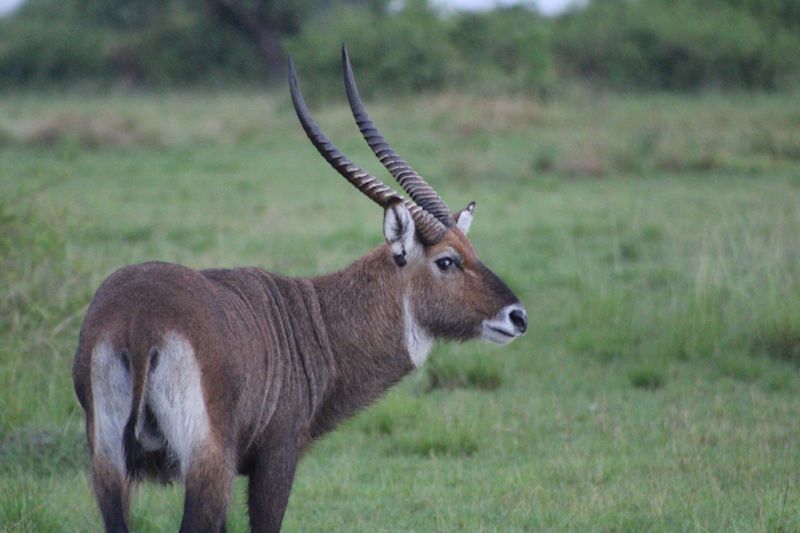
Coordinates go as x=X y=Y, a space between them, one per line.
x=139 y=436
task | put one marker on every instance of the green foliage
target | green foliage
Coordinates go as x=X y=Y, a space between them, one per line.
x=178 y=47
x=628 y=44
x=403 y=53
x=503 y=49
x=406 y=425
x=466 y=370
x=676 y=45
x=40 y=300
x=392 y=415
x=436 y=440
x=408 y=51
x=416 y=49
x=775 y=14
x=646 y=378
x=36 y=52
x=182 y=47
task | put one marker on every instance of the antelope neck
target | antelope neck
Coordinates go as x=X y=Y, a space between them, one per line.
x=362 y=307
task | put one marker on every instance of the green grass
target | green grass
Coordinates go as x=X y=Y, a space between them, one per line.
x=653 y=239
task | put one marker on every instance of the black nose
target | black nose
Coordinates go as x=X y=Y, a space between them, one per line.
x=519 y=319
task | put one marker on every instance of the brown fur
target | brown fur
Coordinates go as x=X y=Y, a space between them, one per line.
x=282 y=360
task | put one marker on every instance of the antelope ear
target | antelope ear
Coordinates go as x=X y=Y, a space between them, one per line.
x=464 y=217
x=399 y=231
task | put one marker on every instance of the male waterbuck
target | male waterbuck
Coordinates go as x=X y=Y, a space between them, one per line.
x=200 y=375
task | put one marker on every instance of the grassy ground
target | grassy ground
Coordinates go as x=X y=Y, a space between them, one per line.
x=653 y=239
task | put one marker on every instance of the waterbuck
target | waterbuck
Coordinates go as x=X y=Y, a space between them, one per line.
x=200 y=375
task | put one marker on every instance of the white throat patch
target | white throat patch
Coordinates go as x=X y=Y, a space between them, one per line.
x=418 y=342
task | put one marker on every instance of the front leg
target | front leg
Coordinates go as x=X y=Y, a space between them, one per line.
x=270 y=485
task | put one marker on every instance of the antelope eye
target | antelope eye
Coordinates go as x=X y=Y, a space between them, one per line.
x=445 y=263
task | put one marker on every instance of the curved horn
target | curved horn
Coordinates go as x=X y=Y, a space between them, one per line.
x=419 y=190
x=429 y=228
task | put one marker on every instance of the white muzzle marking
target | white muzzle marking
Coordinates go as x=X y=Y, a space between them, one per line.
x=503 y=329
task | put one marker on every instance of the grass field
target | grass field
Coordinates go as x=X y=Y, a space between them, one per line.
x=655 y=241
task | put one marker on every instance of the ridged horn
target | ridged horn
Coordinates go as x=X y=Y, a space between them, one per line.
x=429 y=229
x=414 y=184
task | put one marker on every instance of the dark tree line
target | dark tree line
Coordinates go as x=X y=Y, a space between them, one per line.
x=261 y=24
x=265 y=23
x=625 y=44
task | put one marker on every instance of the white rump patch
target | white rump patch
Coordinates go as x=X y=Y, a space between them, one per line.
x=112 y=397
x=175 y=394
x=418 y=342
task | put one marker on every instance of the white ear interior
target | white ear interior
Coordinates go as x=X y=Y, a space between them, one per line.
x=399 y=232
x=464 y=218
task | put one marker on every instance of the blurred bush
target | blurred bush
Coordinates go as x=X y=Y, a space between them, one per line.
x=505 y=49
x=405 y=52
x=683 y=44
x=417 y=49
x=32 y=52
x=629 y=44
x=172 y=45
x=182 y=48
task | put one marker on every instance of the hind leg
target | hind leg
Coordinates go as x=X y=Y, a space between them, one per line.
x=111 y=400
x=175 y=395
x=208 y=479
x=112 y=491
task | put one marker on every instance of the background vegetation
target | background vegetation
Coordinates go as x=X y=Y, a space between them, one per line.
x=622 y=44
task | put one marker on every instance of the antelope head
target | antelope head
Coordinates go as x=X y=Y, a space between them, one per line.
x=448 y=292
